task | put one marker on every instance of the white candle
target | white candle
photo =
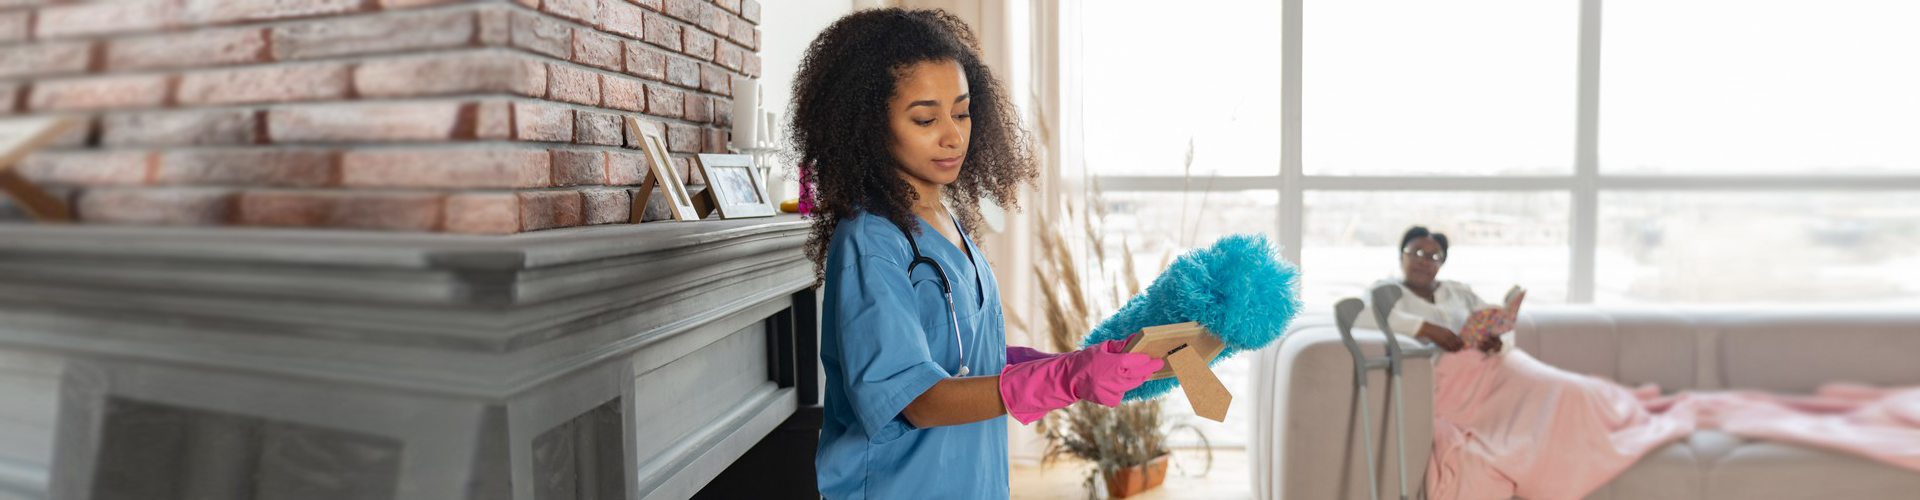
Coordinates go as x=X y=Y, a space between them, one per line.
x=746 y=112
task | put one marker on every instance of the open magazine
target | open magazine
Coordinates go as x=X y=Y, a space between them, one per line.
x=1493 y=320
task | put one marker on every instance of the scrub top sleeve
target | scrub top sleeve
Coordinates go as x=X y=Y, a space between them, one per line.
x=884 y=357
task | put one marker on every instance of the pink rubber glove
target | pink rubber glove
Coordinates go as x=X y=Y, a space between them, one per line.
x=1097 y=374
x=1021 y=354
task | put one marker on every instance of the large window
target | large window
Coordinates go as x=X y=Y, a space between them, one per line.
x=1692 y=151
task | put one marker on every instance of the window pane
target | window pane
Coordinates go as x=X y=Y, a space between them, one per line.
x=1668 y=247
x=1760 y=87
x=1152 y=81
x=1439 y=88
x=1158 y=224
x=1496 y=240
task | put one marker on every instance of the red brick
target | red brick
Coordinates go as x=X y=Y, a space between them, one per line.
x=172 y=206
x=473 y=72
x=663 y=101
x=750 y=10
x=493 y=120
x=744 y=34
x=683 y=72
x=653 y=5
x=662 y=32
x=195 y=49
x=601 y=129
x=542 y=34
x=483 y=213
x=45 y=59
x=232 y=11
x=716 y=141
x=14 y=26
x=715 y=20
x=689 y=174
x=576 y=10
x=446 y=168
x=728 y=56
x=100 y=18
x=180 y=128
x=698 y=44
x=541 y=122
x=623 y=93
x=606 y=206
x=575 y=85
x=626 y=169
x=723 y=112
x=579 y=168
x=89 y=168
x=549 y=209
x=699 y=109
x=496 y=27
x=96 y=93
x=246 y=167
x=730 y=5
x=358 y=210
x=751 y=66
x=646 y=62
x=393 y=32
x=595 y=49
x=408 y=4
x=684 y=10
x=413 y=121
x=304 y=82
x=712 y=80
x=531 y=4
x=684 y=138
x=626 y=19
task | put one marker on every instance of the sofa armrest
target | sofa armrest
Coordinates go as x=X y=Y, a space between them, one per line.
x=1306 y=442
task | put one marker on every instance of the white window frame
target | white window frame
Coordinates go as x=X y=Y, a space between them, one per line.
x=1584 y=185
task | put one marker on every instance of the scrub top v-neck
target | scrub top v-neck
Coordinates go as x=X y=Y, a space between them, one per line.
x=885 y=339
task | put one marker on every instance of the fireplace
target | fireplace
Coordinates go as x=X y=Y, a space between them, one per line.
x=607 y=362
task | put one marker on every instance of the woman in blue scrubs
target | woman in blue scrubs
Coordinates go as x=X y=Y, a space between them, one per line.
x=902 y=131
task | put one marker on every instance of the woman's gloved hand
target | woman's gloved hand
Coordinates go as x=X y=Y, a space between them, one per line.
x=1101 y=373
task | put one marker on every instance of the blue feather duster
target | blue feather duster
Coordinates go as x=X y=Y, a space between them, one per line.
x=1239 y=288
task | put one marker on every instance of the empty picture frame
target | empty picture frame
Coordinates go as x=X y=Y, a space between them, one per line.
x=736 y=186
x=654 y=147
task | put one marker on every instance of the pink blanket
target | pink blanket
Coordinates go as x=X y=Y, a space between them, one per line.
x=1883 y=424
x=1508 y=425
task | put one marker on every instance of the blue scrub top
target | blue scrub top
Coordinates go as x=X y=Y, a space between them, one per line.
x=885 y=339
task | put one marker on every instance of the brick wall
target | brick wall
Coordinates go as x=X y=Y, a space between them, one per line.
x=470 y=116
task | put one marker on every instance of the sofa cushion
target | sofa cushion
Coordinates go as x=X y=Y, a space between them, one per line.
x=1671 y=472
x=1765 y=470
x=1795 y=354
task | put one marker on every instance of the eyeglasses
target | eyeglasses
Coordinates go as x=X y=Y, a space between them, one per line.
x=1436 y=257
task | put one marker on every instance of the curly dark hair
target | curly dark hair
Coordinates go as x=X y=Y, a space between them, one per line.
x=840 y=133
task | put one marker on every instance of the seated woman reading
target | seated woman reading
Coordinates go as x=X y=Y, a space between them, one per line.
x=1506 y=424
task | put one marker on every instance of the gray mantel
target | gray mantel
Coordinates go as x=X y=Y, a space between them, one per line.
x=629 y=361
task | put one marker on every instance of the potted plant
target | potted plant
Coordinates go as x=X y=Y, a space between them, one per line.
x=1126 y=445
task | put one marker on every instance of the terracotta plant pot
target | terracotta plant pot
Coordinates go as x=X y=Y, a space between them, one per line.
x=1131 y=481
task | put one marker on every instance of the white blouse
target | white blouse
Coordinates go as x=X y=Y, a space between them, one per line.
x=1452 y=302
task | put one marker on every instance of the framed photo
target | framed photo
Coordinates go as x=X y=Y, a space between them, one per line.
x=738 y=191
x=654 y=147
x=17 y=139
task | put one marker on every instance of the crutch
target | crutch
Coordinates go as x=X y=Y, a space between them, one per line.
x=1345 y=313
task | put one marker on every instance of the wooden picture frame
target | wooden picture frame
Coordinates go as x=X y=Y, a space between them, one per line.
x=19 y=138
x=734 y=186
x=660 y=165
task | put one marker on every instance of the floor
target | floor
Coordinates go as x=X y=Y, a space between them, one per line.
x=1230 y=479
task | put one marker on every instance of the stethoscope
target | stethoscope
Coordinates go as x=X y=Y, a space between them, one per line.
x=946 y=289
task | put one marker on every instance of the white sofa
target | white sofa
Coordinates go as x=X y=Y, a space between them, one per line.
x=1307 y=444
